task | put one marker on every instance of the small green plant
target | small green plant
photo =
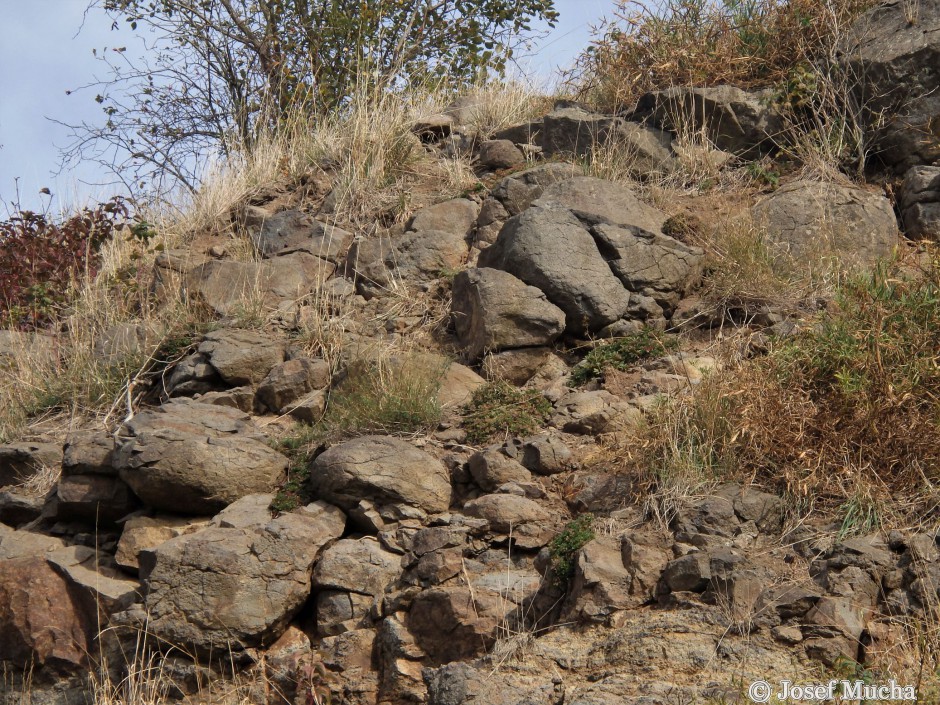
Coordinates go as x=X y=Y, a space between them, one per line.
x=498 y=409
x=764 y=174
x=563 y=547
x=295 y=492
x=621 y=354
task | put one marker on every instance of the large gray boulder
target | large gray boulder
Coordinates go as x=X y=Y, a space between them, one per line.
x=226 y=589
x=291 y=381
x=550 y=249
x=734 y=120
x=650 y=263
x=191 y=458
x=383 y=470
x=893 y=54
x=357 y=565
x=493 y=310
x=807 y=219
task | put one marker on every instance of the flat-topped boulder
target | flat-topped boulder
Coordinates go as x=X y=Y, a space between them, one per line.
x=191 y=458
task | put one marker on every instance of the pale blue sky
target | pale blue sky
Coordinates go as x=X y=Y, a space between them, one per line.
x=46 y=50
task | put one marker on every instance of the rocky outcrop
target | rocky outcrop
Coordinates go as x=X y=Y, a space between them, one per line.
x=734 y=120
x=893 y=53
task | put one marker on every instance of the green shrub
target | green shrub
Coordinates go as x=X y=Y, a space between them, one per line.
x=621 y=354
x=563 y=547
x=498 y=409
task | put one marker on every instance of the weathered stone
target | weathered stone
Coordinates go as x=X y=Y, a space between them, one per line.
x=350 y=655
x=517 y=191
x=644 y=555
x=451 y=622
x=653 y=265
x=289 y=381
x=41 y=622
x=920 y=203
x=591 y=412
x=454 y=217
x=357 y=565
x=242 y=356
x=125 y=341
x=734 y=120
x=89 y=453
x=196 y=458
x=500 y=154
x=339 y=611
x=546 y=454
x=241 y=398
x=598 y=202
x=385 y=262
x=18 y=508
x=143 y=533
x=193 y=375
x=893 y=53
x=491 y=468
x=551 y=250
x=94 y=498
x=222 y=589
x=518 y=366
x=295 y=231
x=381 y=469
x=807 y=219
x=690 y=573
x=506 y=512
x=600 y=584
x=493 y=310
x=102 y=588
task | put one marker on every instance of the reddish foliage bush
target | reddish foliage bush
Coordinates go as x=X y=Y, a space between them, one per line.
x=40 y=259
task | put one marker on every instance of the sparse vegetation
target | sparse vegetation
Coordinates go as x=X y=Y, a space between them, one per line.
x=565 y=546
x=499 y=410
x=845 y=413
x=622 y=354
x=387 y=395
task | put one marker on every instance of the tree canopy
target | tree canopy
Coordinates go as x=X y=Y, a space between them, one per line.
x=219 y=72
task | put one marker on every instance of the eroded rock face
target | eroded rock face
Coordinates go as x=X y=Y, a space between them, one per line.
x=806 y=219
x=383 y=470
x=234 y=588
x=20 y=461
x=517 y=191
x=191 y=458
x=494 y=310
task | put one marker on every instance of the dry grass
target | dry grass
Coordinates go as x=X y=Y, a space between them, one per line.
x=846 y=414
x=756 y=43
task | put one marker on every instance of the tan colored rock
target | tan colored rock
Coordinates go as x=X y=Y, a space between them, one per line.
x=242 y=356
x=142 y=533
x=384 y=470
